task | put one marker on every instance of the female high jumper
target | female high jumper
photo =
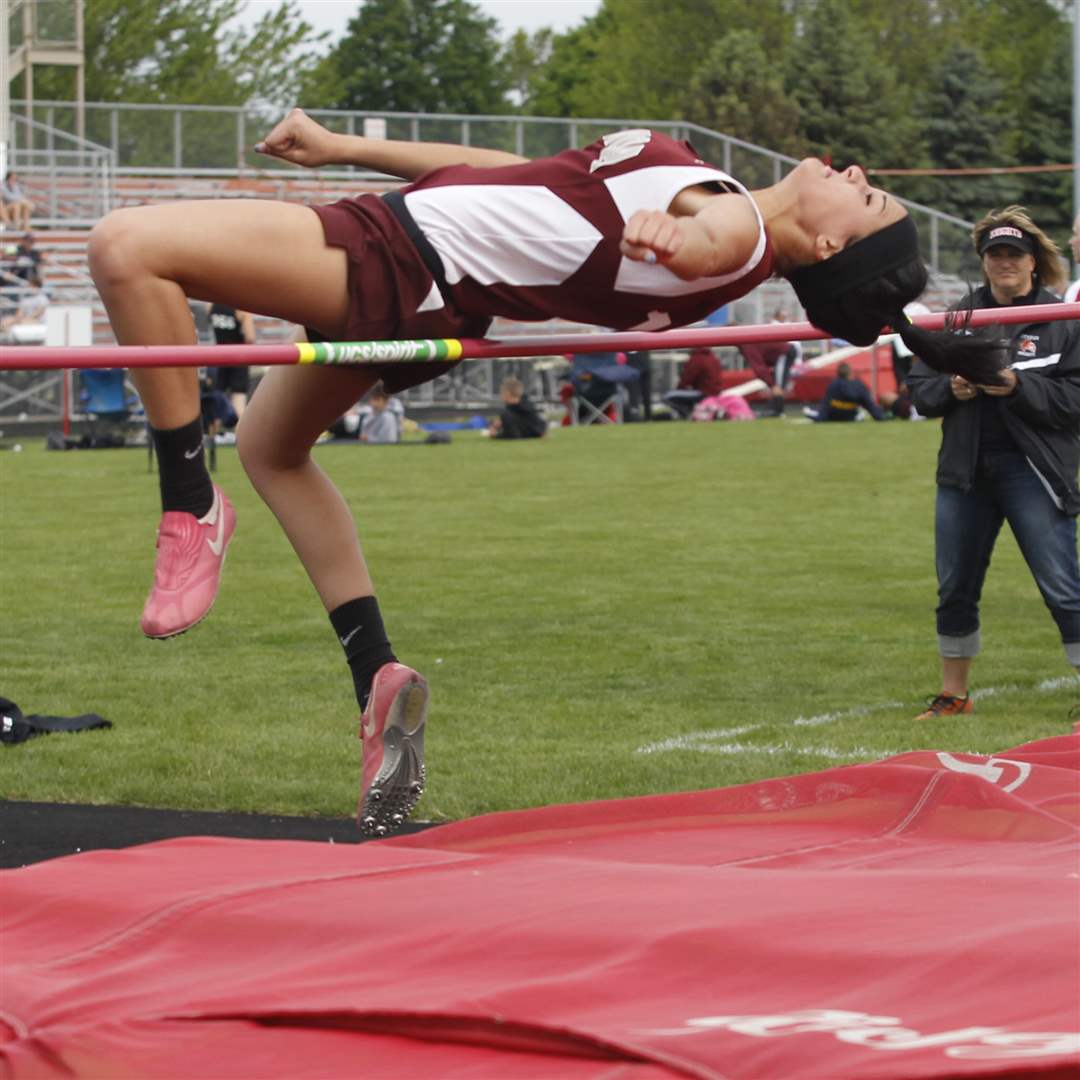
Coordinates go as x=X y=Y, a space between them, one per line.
x=634 y=232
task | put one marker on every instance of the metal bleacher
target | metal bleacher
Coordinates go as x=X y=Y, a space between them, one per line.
x=64 y=246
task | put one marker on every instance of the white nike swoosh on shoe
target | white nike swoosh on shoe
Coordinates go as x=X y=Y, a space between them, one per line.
x=211 y=515
x=369 y=728
x=192 y=454
x=219 y=541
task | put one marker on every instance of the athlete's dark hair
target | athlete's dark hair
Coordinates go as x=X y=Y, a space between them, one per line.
x=860 y=290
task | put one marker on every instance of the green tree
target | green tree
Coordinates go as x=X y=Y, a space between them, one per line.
x=1045 y=138
x=913 y=34
x=185 y=51
x=738 y=91
x=965 y=126
x=1015 y=37
x=523 y=58
x=557 y=87
x=416 y=56
x=644 y=52
x=845 y=88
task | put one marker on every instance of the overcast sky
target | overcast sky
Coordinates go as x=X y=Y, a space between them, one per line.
x=529 y=15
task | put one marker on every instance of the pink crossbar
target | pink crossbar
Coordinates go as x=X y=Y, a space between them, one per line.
x=38 y=358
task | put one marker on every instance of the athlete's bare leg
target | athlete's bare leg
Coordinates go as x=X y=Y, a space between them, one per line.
x=263 y=256
x=292 y=407
x=272 y=258
x=259 y=256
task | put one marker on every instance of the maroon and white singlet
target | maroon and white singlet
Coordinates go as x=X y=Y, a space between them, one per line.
x=540 y=240
x=531 y=242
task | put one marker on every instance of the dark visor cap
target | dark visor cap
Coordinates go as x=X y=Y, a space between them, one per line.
x=1007 y=236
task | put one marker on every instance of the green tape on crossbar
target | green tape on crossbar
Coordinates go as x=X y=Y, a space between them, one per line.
x=372 y=352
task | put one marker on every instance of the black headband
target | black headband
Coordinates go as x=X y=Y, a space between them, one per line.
x=869 y=258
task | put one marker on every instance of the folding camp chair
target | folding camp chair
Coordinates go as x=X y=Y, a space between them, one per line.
x=599 y=383
x=110 y=409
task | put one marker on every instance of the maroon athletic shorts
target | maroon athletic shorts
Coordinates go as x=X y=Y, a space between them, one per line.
x=388 y=281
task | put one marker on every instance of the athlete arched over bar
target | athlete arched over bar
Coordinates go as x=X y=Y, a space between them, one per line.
x=633 y=232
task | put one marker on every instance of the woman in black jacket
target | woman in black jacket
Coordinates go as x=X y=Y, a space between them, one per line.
x=1008 y=453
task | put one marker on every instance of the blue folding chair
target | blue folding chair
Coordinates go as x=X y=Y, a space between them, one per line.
x=105 y=401
x=599 y=383
x=104 y=395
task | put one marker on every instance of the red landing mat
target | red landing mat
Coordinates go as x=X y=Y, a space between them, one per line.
x=916 y=917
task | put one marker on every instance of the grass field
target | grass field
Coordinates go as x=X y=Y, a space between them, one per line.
x=609 y=612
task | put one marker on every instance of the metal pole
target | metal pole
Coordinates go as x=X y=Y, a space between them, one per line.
x=80 y=70
x=29 y=43
x=66 y=400
x=42 y=358
x=5 y=76
x=1076 y=106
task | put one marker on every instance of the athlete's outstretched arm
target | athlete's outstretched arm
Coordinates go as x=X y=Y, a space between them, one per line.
x=701 y=234
x=304 y=141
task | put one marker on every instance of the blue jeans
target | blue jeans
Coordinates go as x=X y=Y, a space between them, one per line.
x=967 y=523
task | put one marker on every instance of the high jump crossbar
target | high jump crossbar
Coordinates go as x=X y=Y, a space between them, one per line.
x=42 y=358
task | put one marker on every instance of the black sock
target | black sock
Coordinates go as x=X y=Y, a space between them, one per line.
x=185 y=483
x=360 y=630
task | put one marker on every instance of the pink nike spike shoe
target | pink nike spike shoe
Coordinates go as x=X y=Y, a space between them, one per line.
x=190 y=554
x=392 y=735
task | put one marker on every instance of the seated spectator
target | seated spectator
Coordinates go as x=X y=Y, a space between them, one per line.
x=597 y=376
x=773 y=363
x=11 y=287
x=844 y=396
x=25 y=262
x=380 y=418
x=640 y=391
x=20 y=263
x=899 y=406
x=15 y=207
x=519 y=418
x=27 y=324
x=376 y=419
x=701 y=378
x=602 y=380
x=217 y=412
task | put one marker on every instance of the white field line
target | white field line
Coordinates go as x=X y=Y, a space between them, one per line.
x=788 y=747
x=725 y=741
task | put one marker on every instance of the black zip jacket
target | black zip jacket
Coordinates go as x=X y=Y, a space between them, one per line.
x=1042 y=416
x=521 y=421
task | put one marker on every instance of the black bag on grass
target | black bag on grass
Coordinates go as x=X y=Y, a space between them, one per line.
x=108 y=440
x=16 y=728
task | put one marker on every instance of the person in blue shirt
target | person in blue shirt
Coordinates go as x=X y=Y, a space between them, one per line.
x=844 y=396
